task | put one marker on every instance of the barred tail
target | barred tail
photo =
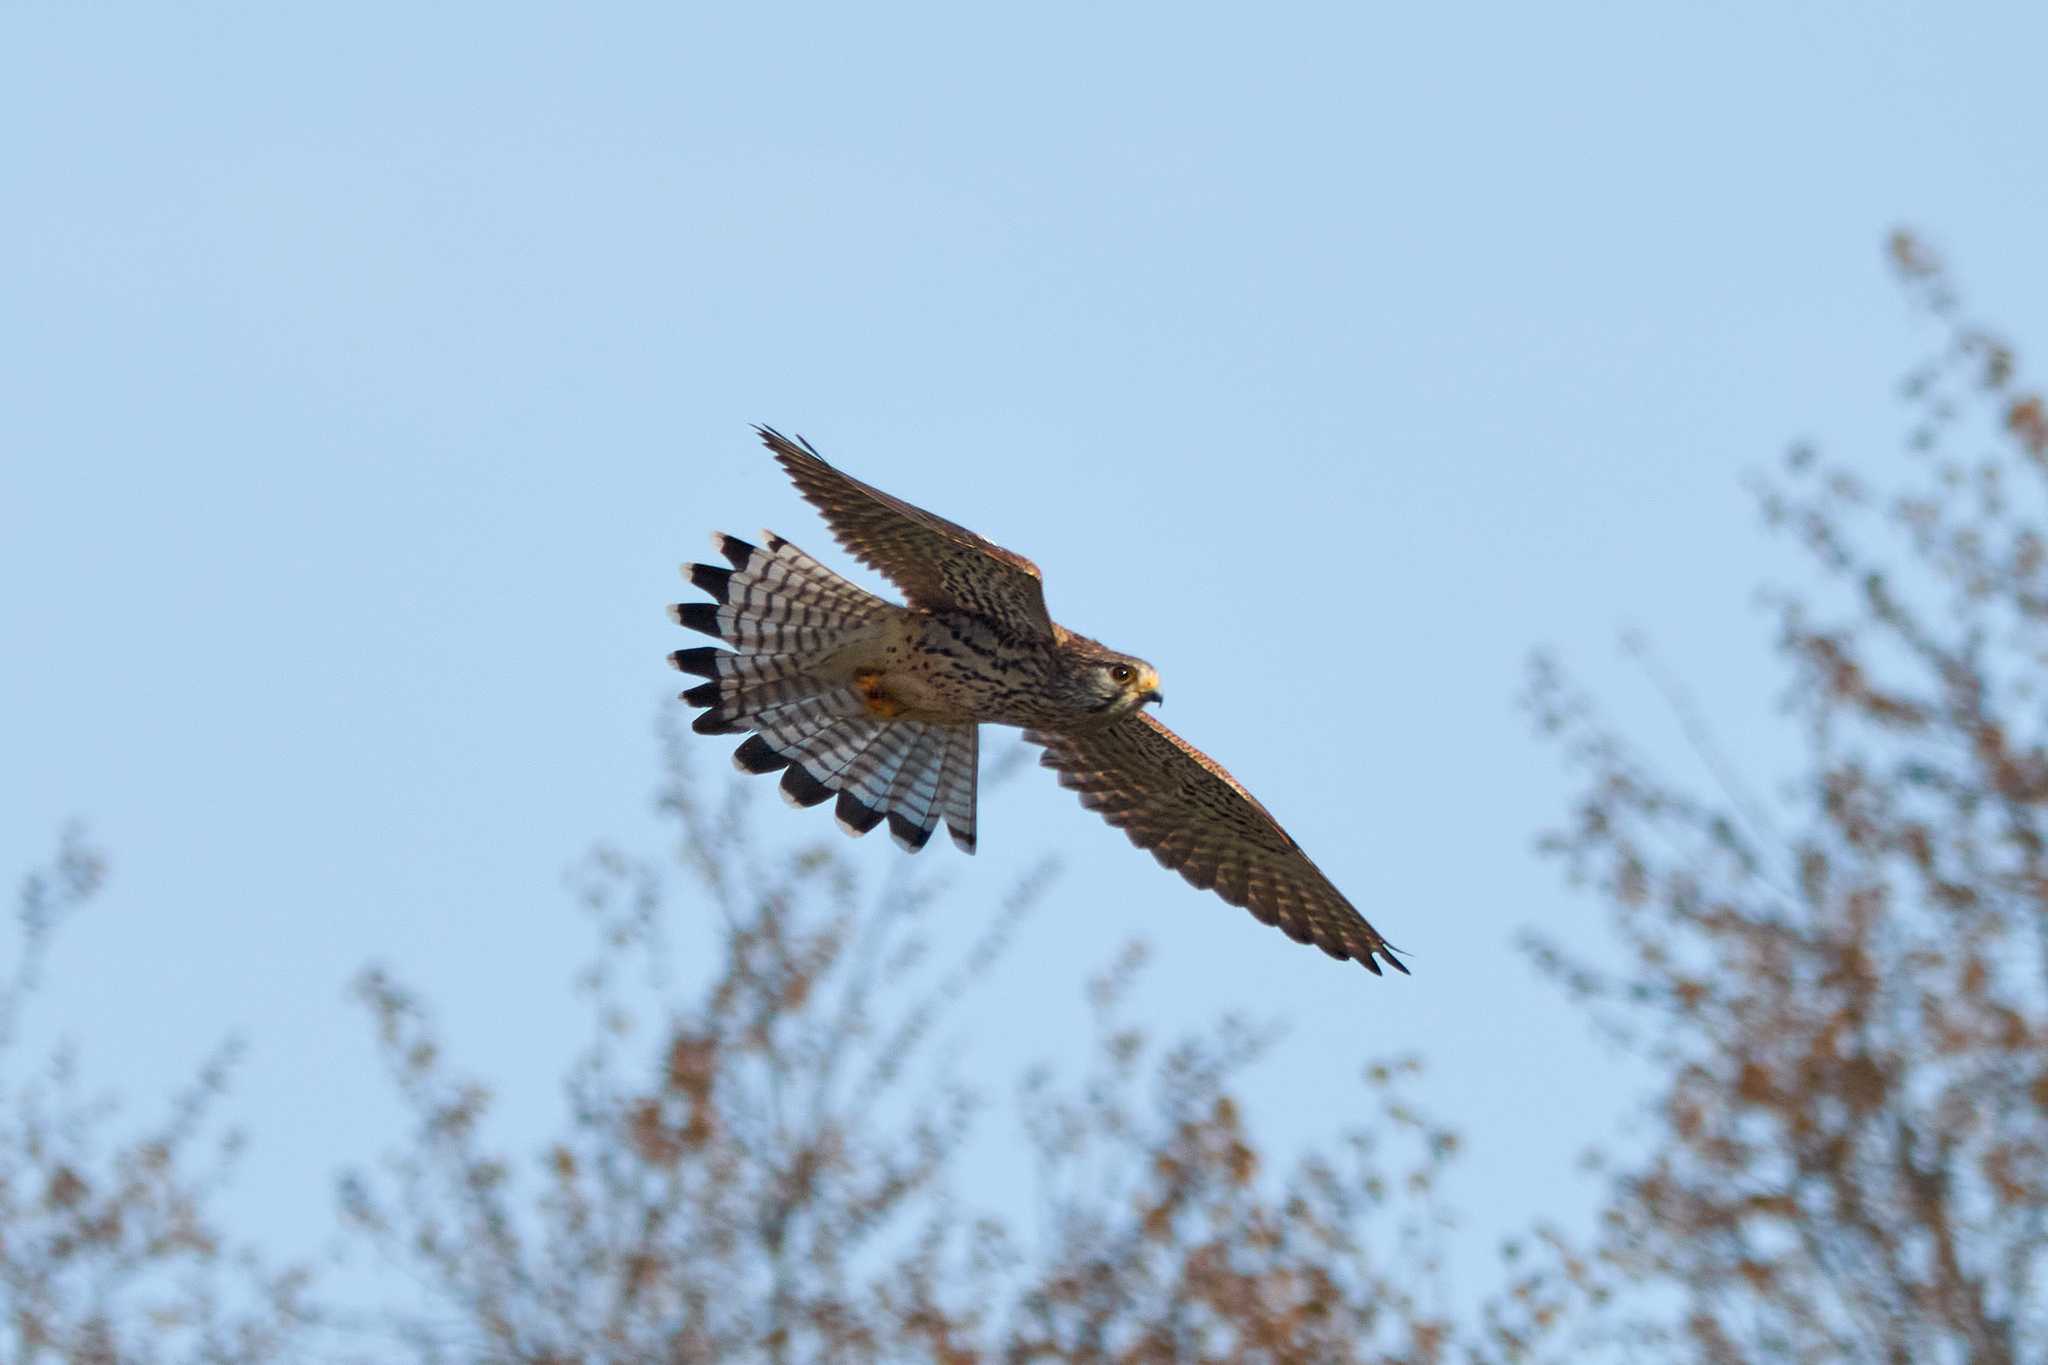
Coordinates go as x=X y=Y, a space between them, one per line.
x=776 y=602
x=786 y=615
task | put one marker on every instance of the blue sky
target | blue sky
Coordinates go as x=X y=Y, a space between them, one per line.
x=364 y=375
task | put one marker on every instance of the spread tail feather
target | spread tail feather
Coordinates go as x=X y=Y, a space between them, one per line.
x=786 y=614
x=775 y=599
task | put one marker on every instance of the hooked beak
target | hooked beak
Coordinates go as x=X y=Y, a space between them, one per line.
x=1153 y=697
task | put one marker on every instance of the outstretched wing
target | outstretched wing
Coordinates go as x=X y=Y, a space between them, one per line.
x=937 y=563
x=1179 y=804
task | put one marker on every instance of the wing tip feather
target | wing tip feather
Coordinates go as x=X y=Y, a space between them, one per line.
x=786 y=450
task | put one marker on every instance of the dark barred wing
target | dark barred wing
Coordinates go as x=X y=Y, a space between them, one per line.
x=937 y=563
x=1176 y=802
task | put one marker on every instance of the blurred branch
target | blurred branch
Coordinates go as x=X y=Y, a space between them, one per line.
x=107 y=1249
x=1850 y=1154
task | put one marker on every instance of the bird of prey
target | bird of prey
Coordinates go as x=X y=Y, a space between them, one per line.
x=881 y=706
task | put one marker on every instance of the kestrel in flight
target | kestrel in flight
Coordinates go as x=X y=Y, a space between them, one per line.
x=852 y=696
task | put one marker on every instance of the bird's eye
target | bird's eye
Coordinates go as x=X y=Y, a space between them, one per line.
x=1120 y=672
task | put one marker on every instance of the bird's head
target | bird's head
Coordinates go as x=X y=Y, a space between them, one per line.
x=1113 y=685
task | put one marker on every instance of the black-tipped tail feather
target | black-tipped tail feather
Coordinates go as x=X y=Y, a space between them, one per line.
x=855 y=817
x=758 y=756
x=787 y=617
